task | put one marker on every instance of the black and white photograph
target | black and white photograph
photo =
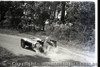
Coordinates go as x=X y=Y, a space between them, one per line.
x=48 y=33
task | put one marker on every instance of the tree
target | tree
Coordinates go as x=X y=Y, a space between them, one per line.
x=43 y=18
x=4 y=7
x=73 y=12
x=87 y=13
x=42 y=12
x=63 y=12
x=15 y=12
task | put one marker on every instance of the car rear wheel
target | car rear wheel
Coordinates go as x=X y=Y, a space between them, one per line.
x=22 y=44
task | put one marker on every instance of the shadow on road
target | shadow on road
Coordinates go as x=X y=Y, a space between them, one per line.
x=28 y=48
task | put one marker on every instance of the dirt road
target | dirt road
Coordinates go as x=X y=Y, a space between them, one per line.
x=12 y=43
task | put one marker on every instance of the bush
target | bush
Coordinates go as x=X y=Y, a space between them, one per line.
x=77 y=31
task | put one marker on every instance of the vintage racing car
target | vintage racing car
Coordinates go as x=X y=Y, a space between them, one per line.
x=38 y=44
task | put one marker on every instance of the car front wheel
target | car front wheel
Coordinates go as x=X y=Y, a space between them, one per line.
x=39 y=47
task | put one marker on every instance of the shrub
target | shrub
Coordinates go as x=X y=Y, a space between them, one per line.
x=69 y=33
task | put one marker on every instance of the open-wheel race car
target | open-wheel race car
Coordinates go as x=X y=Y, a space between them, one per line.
x=38 y=44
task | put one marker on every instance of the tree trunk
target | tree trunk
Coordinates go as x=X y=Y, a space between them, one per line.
x=54 y=14
x=63 y=12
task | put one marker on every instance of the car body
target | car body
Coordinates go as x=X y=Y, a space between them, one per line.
x=37 y=43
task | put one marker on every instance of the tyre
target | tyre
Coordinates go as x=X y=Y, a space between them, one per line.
x=41 y=50
x=38 y=47
x=22 y=43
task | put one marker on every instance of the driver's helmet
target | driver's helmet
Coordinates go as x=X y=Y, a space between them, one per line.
x=47 y=39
